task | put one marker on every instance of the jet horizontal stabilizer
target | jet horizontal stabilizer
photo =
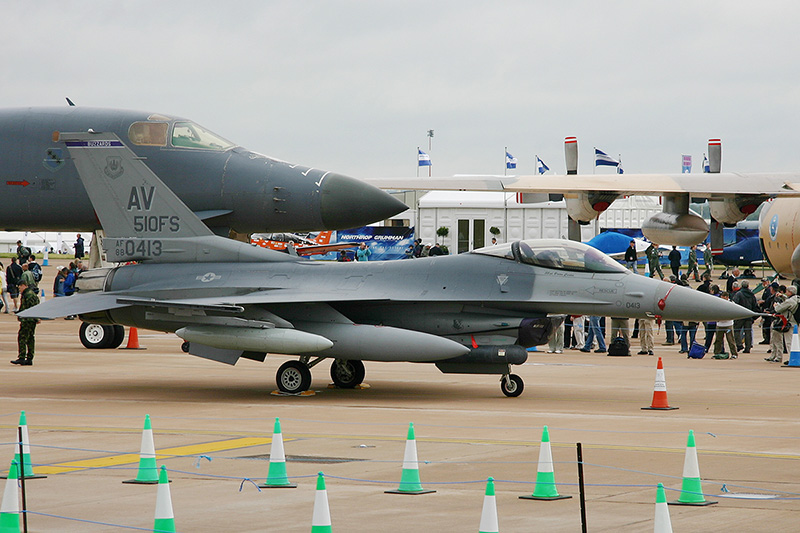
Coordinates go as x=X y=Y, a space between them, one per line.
x=73 y=305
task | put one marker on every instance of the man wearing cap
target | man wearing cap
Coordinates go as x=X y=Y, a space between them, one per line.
x=27 y=326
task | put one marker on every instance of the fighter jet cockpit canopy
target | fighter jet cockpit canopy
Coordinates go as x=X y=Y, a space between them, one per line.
x=557 y=254
x=185 y=134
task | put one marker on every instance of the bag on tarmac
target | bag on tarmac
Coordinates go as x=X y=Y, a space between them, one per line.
x=697 y=351
x=619 y=347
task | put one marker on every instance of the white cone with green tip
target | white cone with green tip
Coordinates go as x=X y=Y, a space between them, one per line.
x=545 y=488
x=164 y=517
x=277 y=476
x=25 y=460
x=409 y=480
x=662 y=522
x=321 y=519
x=148 y=471
x=9 y=507
x=691 y=488
x=489 y=512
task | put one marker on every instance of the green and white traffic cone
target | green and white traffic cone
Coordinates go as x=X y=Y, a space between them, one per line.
x=691 y=488
x=409 y=481
x=545 y=488
x=489 y=512
x=321 y=519
x=164 y=517
x=662 y=522
x=148 y=471
x=25 y=458
x=277 y=476
x=9 y=507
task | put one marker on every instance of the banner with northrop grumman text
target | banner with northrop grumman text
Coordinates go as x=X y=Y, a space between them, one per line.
x=385 y=242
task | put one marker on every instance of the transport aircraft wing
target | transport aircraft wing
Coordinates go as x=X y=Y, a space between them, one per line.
x=720 y=185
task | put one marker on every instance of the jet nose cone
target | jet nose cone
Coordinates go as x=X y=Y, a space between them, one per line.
x=348 y=203
x=681 y=303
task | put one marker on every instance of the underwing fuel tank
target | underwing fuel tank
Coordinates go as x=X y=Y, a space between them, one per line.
x=274 y=340
x=382 y=343
x=675 y=229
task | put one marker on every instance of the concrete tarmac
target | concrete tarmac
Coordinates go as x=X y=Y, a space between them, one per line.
x=213 y=423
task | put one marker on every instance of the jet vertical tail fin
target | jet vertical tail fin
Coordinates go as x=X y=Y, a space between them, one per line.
x=142 y=218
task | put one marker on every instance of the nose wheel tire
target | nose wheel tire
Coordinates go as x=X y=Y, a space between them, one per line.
x=293 y=377
x=512 y=385
x=347 y=374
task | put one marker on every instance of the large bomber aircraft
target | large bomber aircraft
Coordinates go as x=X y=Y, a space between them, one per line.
x=227 y=186
x=731 y=196
x=469 y=313
x=779 y=233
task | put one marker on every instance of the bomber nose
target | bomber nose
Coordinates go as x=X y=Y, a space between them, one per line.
x=681 y=303
x=346 y=202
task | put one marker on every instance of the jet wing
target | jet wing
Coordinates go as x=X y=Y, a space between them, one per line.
x=722 y=185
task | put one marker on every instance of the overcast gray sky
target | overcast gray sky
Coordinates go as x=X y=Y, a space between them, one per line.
x=353 y=86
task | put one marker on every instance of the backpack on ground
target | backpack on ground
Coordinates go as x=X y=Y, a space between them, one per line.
x=697 y=351
x=619 y=347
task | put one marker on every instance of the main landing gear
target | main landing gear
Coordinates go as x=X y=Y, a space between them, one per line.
x=512 y=385
x=95 y=336
x=294 y=377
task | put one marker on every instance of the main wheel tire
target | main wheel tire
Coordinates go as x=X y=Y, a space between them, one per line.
x=347 y=373
x=95 y=336
x=293 y=377
x=514 y=388
x=117 y=336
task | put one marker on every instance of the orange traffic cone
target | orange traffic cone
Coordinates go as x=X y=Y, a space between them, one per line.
x=133 y=340
x=660 y=391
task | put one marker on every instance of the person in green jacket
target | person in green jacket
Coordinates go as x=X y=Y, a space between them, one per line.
x=27 y=326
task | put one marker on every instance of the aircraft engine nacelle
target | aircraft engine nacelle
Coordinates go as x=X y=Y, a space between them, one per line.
x=585 y=207
x=674 y=229
x=733 y=210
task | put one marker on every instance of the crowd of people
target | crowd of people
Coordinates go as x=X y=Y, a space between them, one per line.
x=20 y=281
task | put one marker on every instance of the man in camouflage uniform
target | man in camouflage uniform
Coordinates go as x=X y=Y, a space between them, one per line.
x=27 y=326
x=692 y=264
x=653 y=260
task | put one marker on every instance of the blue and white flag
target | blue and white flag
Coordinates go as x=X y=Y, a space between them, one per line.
x=687 y=164
x=541 y=168
x=706 y=168
x=511 y=161
x=603 y=159
x=424 y=159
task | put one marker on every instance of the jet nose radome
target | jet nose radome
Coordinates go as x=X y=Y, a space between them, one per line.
x=681 y=303
x=348 y=203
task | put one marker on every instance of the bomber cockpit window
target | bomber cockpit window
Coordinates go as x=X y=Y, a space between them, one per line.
x=191 y=135
x=148 y=133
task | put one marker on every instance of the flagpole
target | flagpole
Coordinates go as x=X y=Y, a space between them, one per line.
x=505 y=162
x=594 y=168
x=417 y=161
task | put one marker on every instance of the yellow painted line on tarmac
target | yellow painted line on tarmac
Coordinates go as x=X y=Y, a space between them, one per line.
x=166 y=453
